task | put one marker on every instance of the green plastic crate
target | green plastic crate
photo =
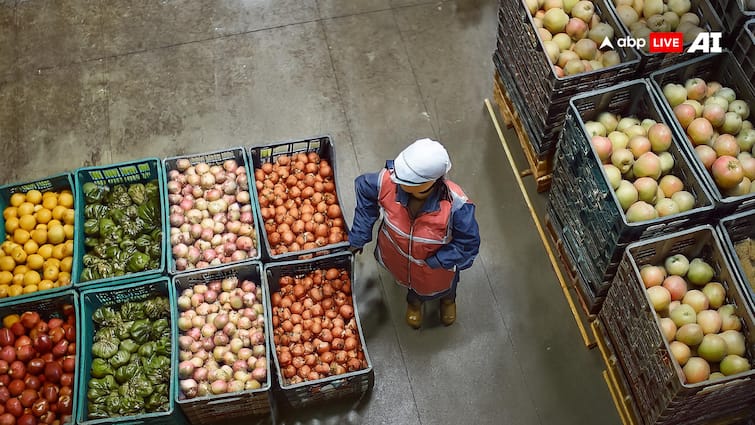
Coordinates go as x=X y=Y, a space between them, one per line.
x=309 y=394
x=56 y=182
x=48 y=306
x=251 y=406
x=139 y=171
x=95 y=297
x=216 y=158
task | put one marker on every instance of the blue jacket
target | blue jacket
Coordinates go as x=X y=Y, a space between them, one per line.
x=460 y=252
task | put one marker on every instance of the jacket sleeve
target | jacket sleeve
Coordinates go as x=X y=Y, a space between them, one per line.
x=462 y=250
x=367 y=210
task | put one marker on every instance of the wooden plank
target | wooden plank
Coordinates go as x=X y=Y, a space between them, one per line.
x=620 y=393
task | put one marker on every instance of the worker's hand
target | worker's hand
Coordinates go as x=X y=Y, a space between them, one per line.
x=354 y=250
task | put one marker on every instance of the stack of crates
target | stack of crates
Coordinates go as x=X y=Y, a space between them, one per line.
x=733 y=14
x=744 y=50
x=582 y=204
x=539 y=95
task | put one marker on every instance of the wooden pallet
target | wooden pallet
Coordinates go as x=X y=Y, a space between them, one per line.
x=539 y=168
x=613 y=375
x=571 y=274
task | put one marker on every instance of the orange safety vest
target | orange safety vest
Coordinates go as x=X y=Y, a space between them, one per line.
x=404 y=244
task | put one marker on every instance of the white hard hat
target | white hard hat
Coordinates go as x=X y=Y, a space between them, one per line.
x=423 y=161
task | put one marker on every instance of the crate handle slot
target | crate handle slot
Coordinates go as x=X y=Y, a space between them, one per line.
x=223 y=401
x=716 y=387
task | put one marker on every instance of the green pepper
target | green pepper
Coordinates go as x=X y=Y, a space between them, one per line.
x=125 y=372
x=133 y=227
x=96 y=211
x=106 y=332
x=160 y=329
x=89 y=260
x=120 y=358
x=156 y=308
x=132 y=211
x=128 y=246
x=93 y=193
x=155 y=252
x=104 y=348
x=152 y=189
x=92 y=227
x=107 y=316
x=157 y=235
x=133 y=310
x=132 y=405
x=118 y=197
x=103 y=269
x=141 y=385
x=100 y=250
x=87 y=275
x=91 y=242
x=101 y=368
x=118 y=215
x=147 y=349
x=149 y=212
x=128 y=345
x=113 y=404
x=158 y=401
x=112 y=251
x=107 y=227
x=140 y=331
x=143 y=242
x=138 y=262
x=137 y=192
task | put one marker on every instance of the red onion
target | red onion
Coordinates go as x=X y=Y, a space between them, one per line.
x=247 y=218
x=186 y=204
x=202 y=168
x=196 y=347
x=208 y=345
x=174 y=199
x=185 y=369
x=188 y=189
x=220 y=338
x=189 y=387
x=196 y=362
x=242 y=181
x=259 y=373
x=230 y=165
x=193 y=255
x=180 y=250
x=185 y=355
x=206 y=180
x=210 y=296
x=204 y=389
x=235 y=386
x=244 y=243
x=243 y=197
x=258 y=350
x=197 y=322
x=197 y=191
x=174 y=174
x=182 y=164
x=184 y=323
x=213 y=195
x=200 y=374
x=194 y=216
x=219 y=387
x=234 y=227
x=182 y=264
x=196 y=300
x=207 y=235
x=192 y=180
x=195 y=333
x=208 y=330
x=258 y=338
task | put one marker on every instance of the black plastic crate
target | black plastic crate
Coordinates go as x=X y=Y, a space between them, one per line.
x=651 y=62
x=733 y=14
x=217 y=158
x=743 y=48
x=326 y=150
x=733 y=230
x=599 y=227
x=724 y=69
x=251 y=406
x=643 y=352
x=351 y=385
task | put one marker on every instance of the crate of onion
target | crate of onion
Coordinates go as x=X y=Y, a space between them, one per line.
x=39 y=363
x=319 y=349
x=295 y=184
x=224 y=355
x=212 y=215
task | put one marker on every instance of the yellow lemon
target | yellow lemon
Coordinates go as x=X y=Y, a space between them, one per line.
x=68 y=230
x=25 y=208
x=35 y=261
x=34 y=196
x=11 y=225
x=27 y=222
x=64 y=278
x=65 y=199
x=51 y=273
x=20 y=236
x=50 y=202
x=28 y=289
x=17 y=199
x=69 y=216
x=32 y=277
x=10 y=212
x=58 y=211
x=54 y=261
x=31 y=247
x=19 y=255
x=45 y=250
x=8 y=246
x=20 y=269
x=56 y=234
x=53 y=222
x=45 y=284
x=6 y=278
x=3 y=290
x=43 y=215
x=15 y=290
x=7 y=263
x=18 y=279
x=68 y=251
x=66 y=264
x=39 y=236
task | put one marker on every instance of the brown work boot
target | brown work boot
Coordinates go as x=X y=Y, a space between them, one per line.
x=447 y=312
x=414 y=315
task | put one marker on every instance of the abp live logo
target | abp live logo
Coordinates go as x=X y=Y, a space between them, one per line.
x=671 y=42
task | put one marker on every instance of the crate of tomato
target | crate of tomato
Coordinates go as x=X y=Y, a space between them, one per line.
x=295 y=184
x=319 y=347
x=223 y=347
x=212 y=215
x=37 y=234
x=127 y=338
x=123 y=231
x=40 y=353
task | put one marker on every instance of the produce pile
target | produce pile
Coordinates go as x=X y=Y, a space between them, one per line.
x=211 y=218
x=222 y=341
x=37 y=366
x=638 y=165
x=298 y=203
x=37 y=253
x=703 y=330
x=745 y=251
x=122 y=229
x=571 y=32
x=314 y=329
x=131 y=353
x=716 y=125
x=642 y=17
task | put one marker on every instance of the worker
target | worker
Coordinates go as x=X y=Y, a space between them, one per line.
x=428 y=233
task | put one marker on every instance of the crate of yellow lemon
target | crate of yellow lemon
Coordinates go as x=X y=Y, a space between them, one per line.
x=37 y=229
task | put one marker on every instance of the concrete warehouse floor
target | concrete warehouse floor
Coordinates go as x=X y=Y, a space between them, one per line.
x=90 y=82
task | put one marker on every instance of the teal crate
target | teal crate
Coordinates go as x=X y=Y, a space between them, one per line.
x=138 y=171
x=51 y=305
x=251 y=406
x=350 y=385
x=94 y=297
x=216 y=158
x=56 y=182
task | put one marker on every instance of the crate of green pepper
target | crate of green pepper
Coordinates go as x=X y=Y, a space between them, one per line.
x=127 y=334
x=223 y=350
x=50 y=357
x=123 y=222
